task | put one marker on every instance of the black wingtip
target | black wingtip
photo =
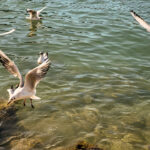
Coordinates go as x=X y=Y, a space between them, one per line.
x=12 y=87
x=131 y=11
x=40 y=53
x=17 y=86
x=136 y=14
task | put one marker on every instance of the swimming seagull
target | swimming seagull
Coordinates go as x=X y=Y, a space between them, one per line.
x=1 y=34
x=27 y=88
x=140 y=21
x=43 y=57
x=34 y=15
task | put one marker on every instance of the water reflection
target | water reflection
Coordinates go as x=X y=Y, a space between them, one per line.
x=34 y=25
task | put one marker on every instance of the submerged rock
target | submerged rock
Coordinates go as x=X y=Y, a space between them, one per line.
x=88 y=99
x=8 y=121
x=83 y=145
x=7 y=116
x=86 y=146
x=11 y=136
x=25 y=144
x=120 y=145
x=131 y=138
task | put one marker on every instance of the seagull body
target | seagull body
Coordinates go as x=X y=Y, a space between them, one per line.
x=34 y=15
x=1 y=34
x=27 y=87
x=43 y=57
x=143 y=23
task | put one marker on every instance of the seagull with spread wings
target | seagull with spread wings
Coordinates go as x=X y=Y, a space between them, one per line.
x=27 y=87
x=1 y=34
x=143 y=23
x=34 y=15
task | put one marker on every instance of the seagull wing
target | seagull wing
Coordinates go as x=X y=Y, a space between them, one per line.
x=1 y=34
x=10 y=66
x=34 y=76
x=140 y=21
x=39 y=11
x=45 y=55
x=39 y=61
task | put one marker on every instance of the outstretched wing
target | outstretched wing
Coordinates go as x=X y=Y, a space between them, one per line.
x=140 y=21
x=10 y=66
x=34 y=76
x=45 y=55
x=39 y=11
x=1 y=34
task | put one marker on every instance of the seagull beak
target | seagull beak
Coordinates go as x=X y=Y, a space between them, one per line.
x=9 y=102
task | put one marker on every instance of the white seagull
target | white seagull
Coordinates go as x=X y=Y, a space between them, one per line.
x=143 y=23
x=1 y=34
x=27 y=87
x=34 y=15
x=43 y=57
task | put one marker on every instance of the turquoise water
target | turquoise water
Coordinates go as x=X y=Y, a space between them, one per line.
x=98 y=87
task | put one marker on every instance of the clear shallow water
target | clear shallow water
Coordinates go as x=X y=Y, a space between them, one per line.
x=98 y=88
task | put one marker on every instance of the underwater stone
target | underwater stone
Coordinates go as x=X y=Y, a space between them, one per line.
x=25 y=144
x=119 y=145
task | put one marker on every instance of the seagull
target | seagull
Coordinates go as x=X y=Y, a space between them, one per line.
x=34 y=15
x=140 y=20
x=1 y=34
x=43 y=57
x=27 y=87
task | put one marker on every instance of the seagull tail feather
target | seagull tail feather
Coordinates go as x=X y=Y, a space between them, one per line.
x=35 y=97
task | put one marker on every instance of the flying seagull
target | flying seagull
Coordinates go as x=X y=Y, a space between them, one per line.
x=27 y=87
x=34 y=15
x=140 y=20
x=43 y=57
x=1 y=34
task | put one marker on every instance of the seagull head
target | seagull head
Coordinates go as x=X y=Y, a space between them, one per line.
x=30 y=10
x=32 y=13
x=11 y=99
x=13 y=95
x=41 y=53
